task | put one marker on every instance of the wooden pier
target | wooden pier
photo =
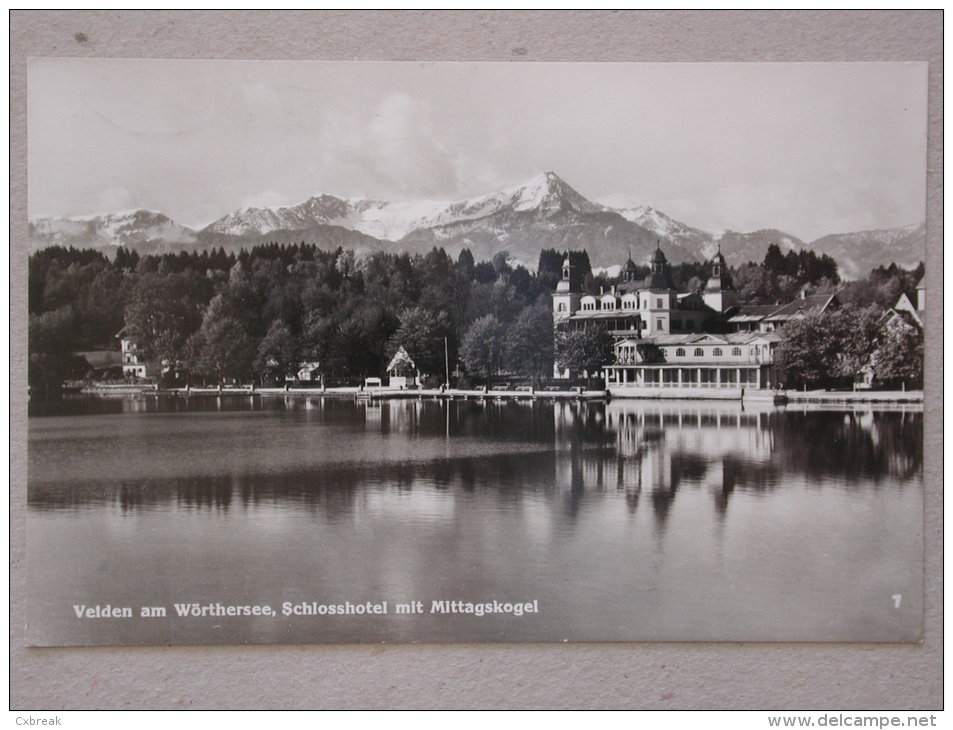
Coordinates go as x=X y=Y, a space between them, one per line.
x=371 y=394
x=481 y=394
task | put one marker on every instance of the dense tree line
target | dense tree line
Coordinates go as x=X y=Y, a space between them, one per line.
x=859 y=338
x=260 y=314
x=882 y=287
x=780 y=277
x=836 y=348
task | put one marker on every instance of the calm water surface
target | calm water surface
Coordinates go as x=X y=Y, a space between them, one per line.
x=633 y=520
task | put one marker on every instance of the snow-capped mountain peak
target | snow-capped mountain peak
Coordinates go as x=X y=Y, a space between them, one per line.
x=654 y=220
x=546 y=193
x=125 y=228
x=543 y=212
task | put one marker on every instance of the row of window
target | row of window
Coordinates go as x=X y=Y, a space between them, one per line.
x=698 y=351
x=589 y=304
x=717 y=352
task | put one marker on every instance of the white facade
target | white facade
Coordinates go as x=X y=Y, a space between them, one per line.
x=133 y=365
x=737 y=360
x=666 y=337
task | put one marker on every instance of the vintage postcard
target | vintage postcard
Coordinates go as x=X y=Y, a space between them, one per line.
x=475 y=352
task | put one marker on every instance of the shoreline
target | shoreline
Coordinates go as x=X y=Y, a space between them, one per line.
x=777 y=397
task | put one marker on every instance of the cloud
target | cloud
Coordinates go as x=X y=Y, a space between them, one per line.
x=397 y=146
x=113 y=199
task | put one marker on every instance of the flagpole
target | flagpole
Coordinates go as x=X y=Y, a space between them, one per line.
x=446 y=360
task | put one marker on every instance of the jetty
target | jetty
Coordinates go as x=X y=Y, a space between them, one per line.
x=371 y=393
x=485 y=394
x=849 y=397
x=380 y=393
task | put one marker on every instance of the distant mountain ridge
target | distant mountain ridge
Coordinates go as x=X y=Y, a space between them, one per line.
x=545 y=212
x=132 y=229
x=904 y=246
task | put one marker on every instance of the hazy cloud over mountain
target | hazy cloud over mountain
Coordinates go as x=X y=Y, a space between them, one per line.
x=392 y=146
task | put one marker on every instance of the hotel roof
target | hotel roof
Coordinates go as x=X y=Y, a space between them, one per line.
x=730 y=338
x=802 y=307
x=605 y=314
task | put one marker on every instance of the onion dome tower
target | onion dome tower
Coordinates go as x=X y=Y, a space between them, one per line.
x=659 y=278
x=719 y=293
x=566 y=297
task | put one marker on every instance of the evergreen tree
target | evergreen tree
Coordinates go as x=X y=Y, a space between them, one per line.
x=549 y=269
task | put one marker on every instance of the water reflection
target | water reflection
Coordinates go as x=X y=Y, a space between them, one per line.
x=513 y=449
x=629 y=520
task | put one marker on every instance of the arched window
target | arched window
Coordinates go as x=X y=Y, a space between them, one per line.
x=716 y=352
x=562 y=307
x=698 y=352
x=736 y=351
x=680 y=352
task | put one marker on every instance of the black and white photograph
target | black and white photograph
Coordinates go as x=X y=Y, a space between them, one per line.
x=330 y=352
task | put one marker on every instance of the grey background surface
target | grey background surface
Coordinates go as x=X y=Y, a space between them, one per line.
x=620 y=676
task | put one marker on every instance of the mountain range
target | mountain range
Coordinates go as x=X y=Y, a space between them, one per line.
x=545 y=212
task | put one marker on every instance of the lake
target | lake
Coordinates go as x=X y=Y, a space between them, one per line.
x=622 y=521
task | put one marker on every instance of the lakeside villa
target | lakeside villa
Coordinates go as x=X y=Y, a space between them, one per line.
x=668 y=342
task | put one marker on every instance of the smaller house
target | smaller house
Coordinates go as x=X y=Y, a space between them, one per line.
x=133 y=363
x=309 y=372
x=771 y=317
x=103 y=364
x=101 y=359
x=905 y=305
x=402 y=369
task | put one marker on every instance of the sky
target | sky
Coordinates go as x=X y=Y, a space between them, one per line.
x=809 y=149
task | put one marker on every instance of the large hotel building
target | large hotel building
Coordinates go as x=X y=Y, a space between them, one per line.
x=667 y=339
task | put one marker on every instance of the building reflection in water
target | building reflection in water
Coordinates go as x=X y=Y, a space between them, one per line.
x=647 y=451
x=655 y=447
x=660 y=446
